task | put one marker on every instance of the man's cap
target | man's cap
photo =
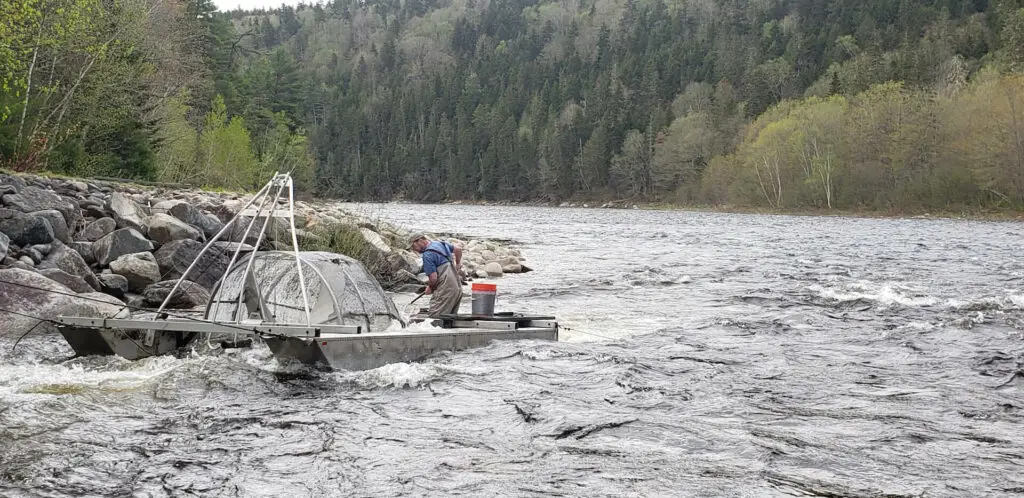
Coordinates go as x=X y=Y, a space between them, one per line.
x=414 y=237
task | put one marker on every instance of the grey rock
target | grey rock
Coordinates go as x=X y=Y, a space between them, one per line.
x=73 y=282
x=79 y=186
x=238 y=232
x=176 y=256
x=84 y=249
x=188 y=295
x=409 y=288
x=493 y=269
x=27 y=261
x=126 y=212
x=57 y=223
x=515 y=268
x=21 y=265
x=140 y=269
x=91 y=202
x=406 y=276
x=32 y=253
x=12 y=181
x=69 y=260
x=43 y=249
x=97 y=212
x=32 y=199
x=164 y=228
x=209 y=225
x=231 y=247
x=135 y=301
x=96 y=230
x=5 y=244
x=24 y=229
x=375 y=240
x=30 y=293
x=113 y=284
x=118 y=243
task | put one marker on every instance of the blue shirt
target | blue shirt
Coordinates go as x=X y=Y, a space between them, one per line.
x=432 y=260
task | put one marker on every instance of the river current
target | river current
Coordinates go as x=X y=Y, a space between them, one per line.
x=703 y=354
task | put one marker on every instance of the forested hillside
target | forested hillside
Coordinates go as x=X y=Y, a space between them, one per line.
x=849 y=104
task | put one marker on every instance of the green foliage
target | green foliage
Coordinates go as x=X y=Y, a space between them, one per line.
x=694 y=102
x=347 y=239
x=224 y=154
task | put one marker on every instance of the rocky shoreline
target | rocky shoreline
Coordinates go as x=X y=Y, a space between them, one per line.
x=90 y=247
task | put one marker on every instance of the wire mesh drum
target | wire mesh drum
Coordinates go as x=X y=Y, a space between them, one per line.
x=339 y=289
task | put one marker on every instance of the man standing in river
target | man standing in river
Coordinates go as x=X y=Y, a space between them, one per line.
x=441 y=263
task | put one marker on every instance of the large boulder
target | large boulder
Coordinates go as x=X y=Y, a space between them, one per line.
x=188 y=295
x=32 y=199
x=126 y=212
x=493 y=269
x=85 y=250
x=164 y=228
x=33 y=254
x=15 y=183
x=70 y=261
x=512 y=268
x=94 y=208
x=113 y=284
x=73 y=282
x=208 y=224
x=375 y=241
x=96 y=230
x=5 y=244
x=118 y=243
x=140 y=269
x=176 y=256
x=28 y=293
x=25 y=229
x=57 y=223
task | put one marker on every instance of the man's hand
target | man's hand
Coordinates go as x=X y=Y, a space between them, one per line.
x=428 y=290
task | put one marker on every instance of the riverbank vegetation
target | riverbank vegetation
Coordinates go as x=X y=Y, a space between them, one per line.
x=848 y=105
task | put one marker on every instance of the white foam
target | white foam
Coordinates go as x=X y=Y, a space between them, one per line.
x=917 y=327
x=397 y=375
x=1012 y=300
x=40 y=379
x=1016 y=299
x=888 y=293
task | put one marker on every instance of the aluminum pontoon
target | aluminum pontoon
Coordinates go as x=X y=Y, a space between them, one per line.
x=339 y=322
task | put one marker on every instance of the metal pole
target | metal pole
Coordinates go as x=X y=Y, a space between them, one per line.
x=238 y=250
x=252 y=259
x=208 y=245
x=295 y=246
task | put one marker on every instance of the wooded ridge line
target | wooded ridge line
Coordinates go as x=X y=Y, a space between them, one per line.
x=852 y=105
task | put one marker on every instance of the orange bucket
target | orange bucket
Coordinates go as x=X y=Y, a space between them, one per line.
x=483 y=299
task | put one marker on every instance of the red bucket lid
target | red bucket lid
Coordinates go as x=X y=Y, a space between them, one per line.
x=485 y=287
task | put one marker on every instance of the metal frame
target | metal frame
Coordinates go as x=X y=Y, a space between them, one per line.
x=281 y=181
x=202 y=326
x=263 y=196
x=503 y=325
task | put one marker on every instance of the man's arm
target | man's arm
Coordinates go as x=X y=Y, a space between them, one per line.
x=431 y=283
x=458 y=258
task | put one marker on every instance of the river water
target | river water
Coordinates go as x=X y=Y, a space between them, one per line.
x=703 y=355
